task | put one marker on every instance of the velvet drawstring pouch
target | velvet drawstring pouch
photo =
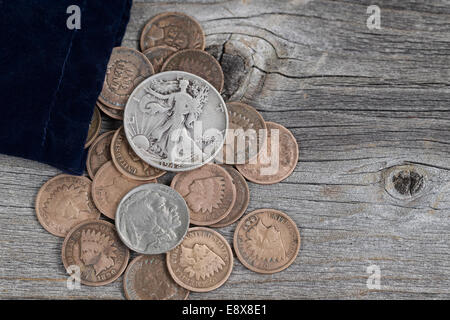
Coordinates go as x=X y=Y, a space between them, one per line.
x=51 y=73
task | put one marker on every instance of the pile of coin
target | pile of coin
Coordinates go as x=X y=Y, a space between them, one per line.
x=163 y=94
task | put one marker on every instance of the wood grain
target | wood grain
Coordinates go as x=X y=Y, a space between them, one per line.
x=363 y=105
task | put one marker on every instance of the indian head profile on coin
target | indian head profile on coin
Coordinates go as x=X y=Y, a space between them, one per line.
x=175 y=121
x=95 y=248
x=152 y=219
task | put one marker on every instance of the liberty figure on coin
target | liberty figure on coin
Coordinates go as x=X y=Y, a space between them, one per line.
x=176 y=113
x=175 y=121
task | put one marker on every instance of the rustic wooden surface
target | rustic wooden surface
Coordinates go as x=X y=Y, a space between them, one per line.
x=362 y=105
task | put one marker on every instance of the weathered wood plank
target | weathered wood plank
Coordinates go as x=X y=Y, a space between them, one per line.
x=360 y=103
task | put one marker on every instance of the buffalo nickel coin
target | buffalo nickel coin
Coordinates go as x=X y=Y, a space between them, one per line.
x=152 y=219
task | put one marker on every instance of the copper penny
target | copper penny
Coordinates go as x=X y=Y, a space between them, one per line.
x=110 y=112
x=209 y=193
x=271 y=166
x=246 y=135
x=99 y=153
x=197 y=62
x=64 y=201
x=109 y=187
x=158 y=55
x=266 y=241
x=126 y=69
x=128 y=162
x=173 y=29
x=202 y=262
x=95 y=248
x=242 y=199
x=147 y=278
x=94 y=127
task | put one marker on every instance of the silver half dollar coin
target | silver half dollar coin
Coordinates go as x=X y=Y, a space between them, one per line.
x=175 y=121
x=152 y=219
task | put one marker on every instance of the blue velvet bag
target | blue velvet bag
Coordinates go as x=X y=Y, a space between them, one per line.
x=52 y=74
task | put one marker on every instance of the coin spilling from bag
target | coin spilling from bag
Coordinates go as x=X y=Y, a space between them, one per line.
x=172 y=118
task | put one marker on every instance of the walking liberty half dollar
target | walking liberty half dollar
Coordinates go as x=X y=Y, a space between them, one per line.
x=152 y=219
x=175 y=121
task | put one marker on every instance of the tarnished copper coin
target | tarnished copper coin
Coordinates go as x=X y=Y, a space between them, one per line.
x=266 y=241
x=276 y=161
x=242 y=199
x=147 y=278
x=99 y=153
x=110 y=112
x=94 y=247
x=246 y=135
x=109 y=186
x=158 y=55
x=126 y=69
x=94 y=127
x=173 y=29
x=209 y=193
x=197 y=62
x=202 y=262
x=128 y=162
x=64 y=201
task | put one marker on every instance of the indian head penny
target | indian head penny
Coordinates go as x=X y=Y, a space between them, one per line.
x=99 y=153
x=158 y=55
x=95 y=248
x=197 y=62
x=276 y=161
x=202 y=262
x=147 y=278
x=242 y=199
x=110 y=112
x=246 y=135
x=175 y=121
x=109 y=186
x=128 y=162
x=266 y=241
x=126 y=69
x=94 y=127
x=63 y=202
x=152 y=219
x=209 y=193
x=173 y=29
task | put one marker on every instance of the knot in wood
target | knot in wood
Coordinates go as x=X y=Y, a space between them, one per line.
x=407 y=182
x=235 y=66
